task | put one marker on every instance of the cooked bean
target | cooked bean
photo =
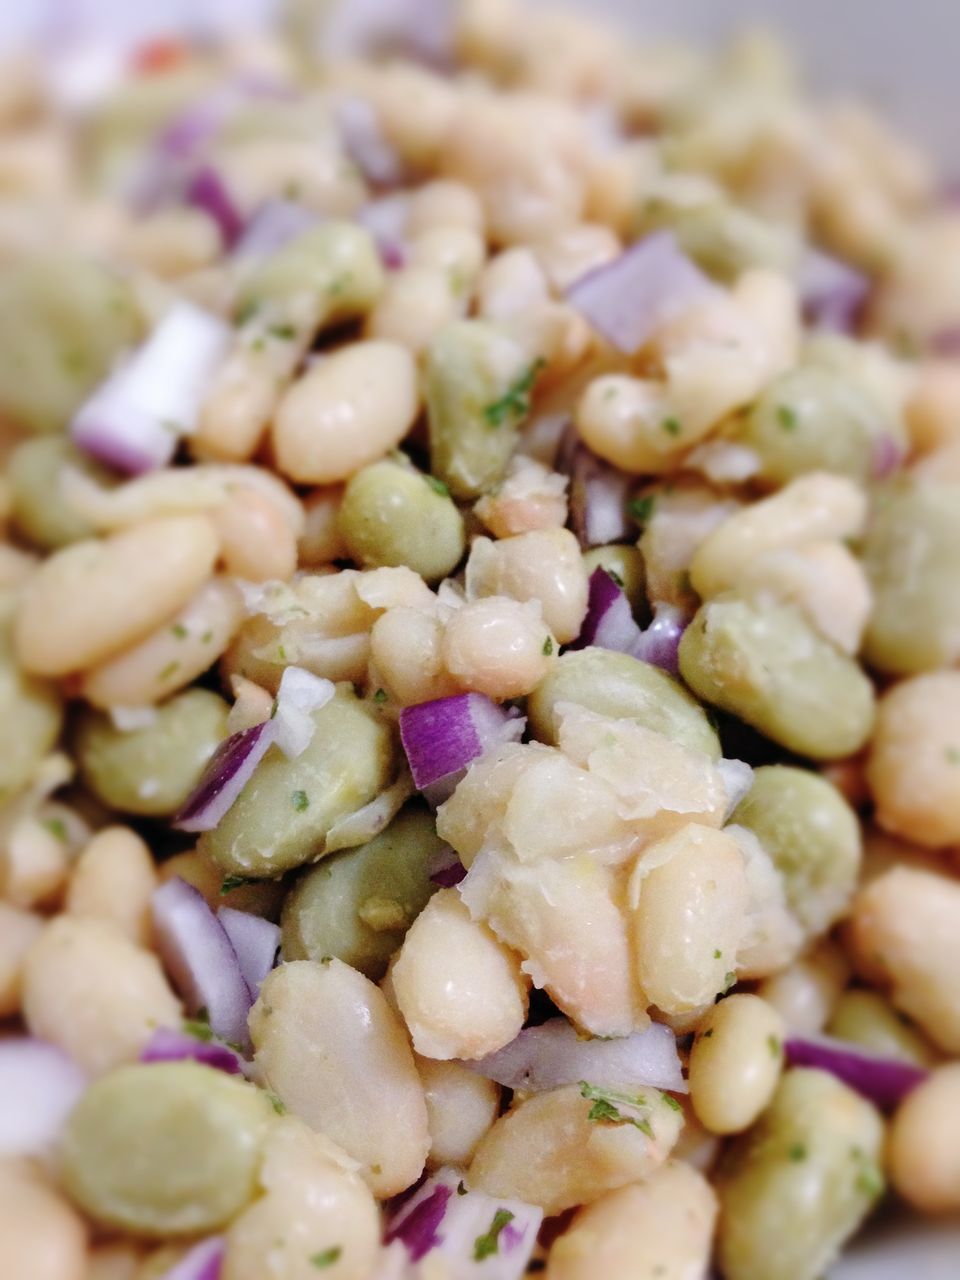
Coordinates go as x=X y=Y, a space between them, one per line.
x=498 y=646
x=347 y=411
x=417 y=303
x=257 y=541
x=924 y=1147
x=764 y=663
x=173 y=655
x=798 y=1185
x=443 y=203
x=31 y=716
x=724 y=238
x=18 y=931
x=321 y=541
x=688 y=895
x=95 y=598
x=614 y=684
x=865 y=1018
x=357 y=905
x=545 y=565
x=479 y=382
x=735 y=1062
x=114 y=879
x=268 y=829
x=34 y=472
x=548 y=1150
x=151 y=770
x=461 y=1107
x=661 y=1228
x=461 y=992
x=114 y=1262
x=41 y=1237
x=406 y=651
x=166 y=1149
x=257 y=897
x=806 y=993
x=910 y=557
x=88 y=989
x=336 y=1055
x=813 y=837
x=913 y=769
x=391 y=514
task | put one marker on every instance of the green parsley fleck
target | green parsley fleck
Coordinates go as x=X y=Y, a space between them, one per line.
x=717 y=954
x=282 y=331
x=672 y=1103
x=233 y=882
x=774 y=1045
x=671 y=426
x=245 y=313
x=437 y=486
x=870 y=1182
x=380 y=696
x=547 y=647
x=206 y=637
x=607 y=1103
x=277 y=1105
x=281 y=653
x=616 y=577
x=461 y=1188
x=953 y=755
x=198 y=1028
x=180 y=631
x=642 y=508
x=787 y=417
x=327 y=1258
x=729 y=980
x=797 y=1152
x=487 y=1245
x=57 y=827
x=514 y=405
x=170 y=669
x=301 y=801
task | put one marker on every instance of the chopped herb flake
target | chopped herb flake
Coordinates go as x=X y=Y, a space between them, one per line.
x=514 y=405
x=180 y=631
x=671 y=426
x=57 y=827
x=774 y=1045
x=461 y=1188
x=282 y=331
x=607 y=1103
x=870 y=1182
x=705 y=1035
x=206 y=637
x=327 y=1258
x=170 y=669
x=642 y=508
x=787 y=417
x=487 y=1245
x=198 y=1028
x=277 y=1105
x=547 y=647
x=380 y=696
x=437 y=486
x=233 y=882
x=717 y=954
x=281 y=653
x=245 y=313
x=797 y=1152
x=953 y=755
x=672 y=1103
x=300 y=800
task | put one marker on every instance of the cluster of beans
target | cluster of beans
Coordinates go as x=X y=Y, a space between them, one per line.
x=375 y=492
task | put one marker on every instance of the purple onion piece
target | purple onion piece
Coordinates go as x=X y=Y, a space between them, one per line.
x=386 y=220
x=39 y=1086
x=443 y=736
x=169 y=1045
x=888 y=456
x=230 y=768
x=629 y=299
x=884 y=1081
x=255 y=941
x=946 y=342
x=274 y=224
x=659 y=644
x=365 y=143
x=419 y=1222
x=609 y=623
x=207 y=191
x=199 y=958
x=203 y=1262
x=446 y=869
x=599 y=495
x=832 y=293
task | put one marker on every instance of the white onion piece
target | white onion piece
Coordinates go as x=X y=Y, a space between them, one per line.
x=39 y=1086
x=198 y=955
x=274 y=224
x=300 y=693
x=135 y=419
x=553 y=1054
x=831 y=291
x=255 y=941
x=629 y=299
x=609 y=621
x=203 y=1262
x=599 y=494
x=737 y=778
x=386 y=220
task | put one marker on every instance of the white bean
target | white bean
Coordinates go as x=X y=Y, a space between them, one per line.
x=499 y=647
x=924 y=1143
x=406 y=653
x=321 y=541
x=545 y=565
x=804 y=994
x=114 y=879
x=416 y=303
x=256 y=540
x=735 y=1062
x=461 y=1107
x=41 y=1237
x=18 y=930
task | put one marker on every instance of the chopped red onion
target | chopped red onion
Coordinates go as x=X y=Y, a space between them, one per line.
x=443 y=736
x=207 y=191
x=228 y=772
x=475 y=1234
x=39 y=1086
x=197 y=953
x=659 y=644
x=599 y=495
x=885 y=1081
x=386 y=220
x=255 y=941
x=609 y=623
x=300 y=694
x=832 y=292
x=888 y=456
x=629 y=299
x=134 y=420
x=203 y=1262
x=365 y=143
x=446 y=869
x=169 y=1045
x=553 y=1054
x=274 y=224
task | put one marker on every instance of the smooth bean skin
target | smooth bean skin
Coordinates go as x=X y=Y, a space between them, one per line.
x=806 y=993
x=924 y=1146
x=89 y=990
x=151 y=771
x=64 y=318
x=461 y=1107
x=34 y=472
x=165 y=1149
x=688 y=917
x=114 y=879
x=544 y=565
x=391 y=514
x=910 y=555
x=813 y=837
x=660 y=1229
x=357 y=905
x=474 y=408
x=798 y=1185
x=462 y=994
x=614 y=684
x=268 y=830
x=41 y=1236
x=913 y=768
x=345 y=412
x=498 y=646
x=625 y=566
x=92 y=599
x=766 y=665
x=866 y=1018
x=19 y=930
x=735 y=1062
x=31 y=717
x=337 y=1056
x=813 y=419
x=546 y=1150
